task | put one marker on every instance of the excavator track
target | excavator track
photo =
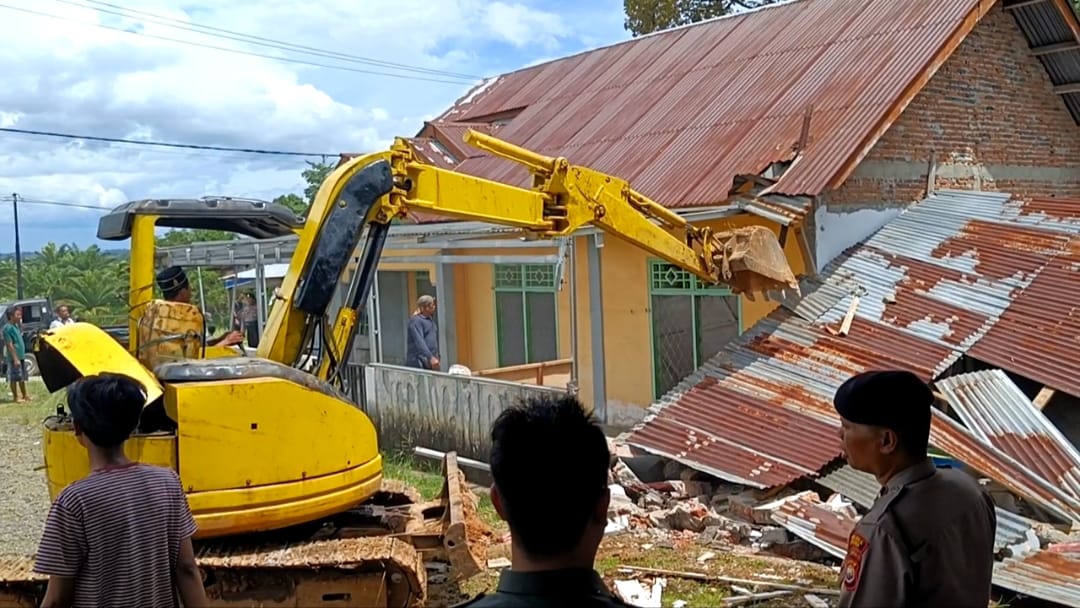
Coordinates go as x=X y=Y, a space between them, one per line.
x=371 y=556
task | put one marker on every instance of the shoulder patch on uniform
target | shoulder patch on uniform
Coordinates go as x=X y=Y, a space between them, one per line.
x=851 y=569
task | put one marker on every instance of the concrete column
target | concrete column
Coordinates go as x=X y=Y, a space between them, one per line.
x=446 y=314
x=596 y=333
x=575 y=370
x=375 y=319
x=260 y=290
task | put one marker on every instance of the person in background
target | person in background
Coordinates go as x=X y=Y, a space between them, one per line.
x=120 y=536
x=249 y=314
x=63 y=317
x=928 y=540
x=174 y=286
x=422 y=346
x=553 y=541
x=15 y=353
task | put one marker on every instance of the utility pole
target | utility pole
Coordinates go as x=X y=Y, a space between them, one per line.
x=18 y=250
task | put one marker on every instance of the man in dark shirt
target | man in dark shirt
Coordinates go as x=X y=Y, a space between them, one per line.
x=422 y=346
x=555 y=502
x=928 y=540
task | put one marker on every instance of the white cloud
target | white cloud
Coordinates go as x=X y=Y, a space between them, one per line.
x=63 y=75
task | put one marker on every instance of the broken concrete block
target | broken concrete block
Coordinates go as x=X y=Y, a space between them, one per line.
x=647 y=468
x=696 y=489
x=772 y=536
x=714 y=535
x=672 y=470
x=690 y=515
x=815 y=601
x=620 y=503
x=799 y=550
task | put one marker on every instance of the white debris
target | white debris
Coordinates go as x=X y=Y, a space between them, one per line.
x=618 y=524
x=498 y=563
x=678 y=604
x=815 y=601
x=704 y=557
x=634 y=593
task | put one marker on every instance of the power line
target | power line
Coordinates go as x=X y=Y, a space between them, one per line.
x=33 y=201
x=118 y=140
x=259 y=40
x=236 y=51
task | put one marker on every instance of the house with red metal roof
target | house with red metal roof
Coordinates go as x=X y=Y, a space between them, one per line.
x=822 y=119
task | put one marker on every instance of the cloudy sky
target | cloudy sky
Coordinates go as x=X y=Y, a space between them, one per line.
x=103 y=68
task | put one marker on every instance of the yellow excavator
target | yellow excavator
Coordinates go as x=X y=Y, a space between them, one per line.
x=281 y=469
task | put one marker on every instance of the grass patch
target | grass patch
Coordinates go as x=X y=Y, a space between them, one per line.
x=42 y=403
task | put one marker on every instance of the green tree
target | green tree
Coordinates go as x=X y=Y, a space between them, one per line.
x=647 y=16
x=294 y=202
x=315 y=175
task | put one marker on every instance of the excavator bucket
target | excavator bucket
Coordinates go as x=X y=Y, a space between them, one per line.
x=751 y=260
x=450 y=528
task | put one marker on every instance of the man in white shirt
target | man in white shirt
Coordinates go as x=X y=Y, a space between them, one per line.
x=63 y=317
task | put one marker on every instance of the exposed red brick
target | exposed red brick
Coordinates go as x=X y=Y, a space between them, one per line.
x=992 y=102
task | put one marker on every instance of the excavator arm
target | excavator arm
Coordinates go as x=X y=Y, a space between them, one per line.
x=369 y=192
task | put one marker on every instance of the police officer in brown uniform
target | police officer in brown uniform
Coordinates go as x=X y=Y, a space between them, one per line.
x=928 y=540
x=549 y=461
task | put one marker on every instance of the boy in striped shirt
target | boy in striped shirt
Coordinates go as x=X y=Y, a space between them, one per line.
x=120 y=536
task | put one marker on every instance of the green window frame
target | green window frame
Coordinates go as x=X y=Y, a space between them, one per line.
x=668 y=280
x=526 y=313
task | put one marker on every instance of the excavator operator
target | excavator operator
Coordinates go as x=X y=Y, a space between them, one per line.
x=175 y=287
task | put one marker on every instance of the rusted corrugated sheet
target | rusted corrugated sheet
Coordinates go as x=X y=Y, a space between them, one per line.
x=1037 y=336
x=816 y=524
x=960 y=443
x=1046 y=574
x=738 y=87
x=946 y=269
x=717 y=422
x=931 y=283
x=997 y=412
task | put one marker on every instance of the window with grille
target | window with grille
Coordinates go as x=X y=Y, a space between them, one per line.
x=691 y=321
x=526 y=312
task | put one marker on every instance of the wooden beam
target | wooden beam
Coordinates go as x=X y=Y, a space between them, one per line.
x=1044 y=397
x=1021 y=4
x=1060 y=47
x=1066 y=89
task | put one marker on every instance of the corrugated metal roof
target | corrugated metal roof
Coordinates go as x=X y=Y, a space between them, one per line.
x=738 y=87
x=999 y=413
x=816 y=524
x=740 y=431
x=960 y=443
x=1047 y=575
x=861 y=488
x=948 y=268
x=1038 y=337
x=1049 y=23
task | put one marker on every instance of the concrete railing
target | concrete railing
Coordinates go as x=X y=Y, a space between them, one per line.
x=555 y=374
x=416 y=408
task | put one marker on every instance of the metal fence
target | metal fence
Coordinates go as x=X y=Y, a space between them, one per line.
x=412 y=407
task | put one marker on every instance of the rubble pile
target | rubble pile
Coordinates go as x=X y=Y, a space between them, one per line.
x=662 y=504
x=678 y=508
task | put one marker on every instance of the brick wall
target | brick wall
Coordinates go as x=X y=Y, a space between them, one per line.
x=991 y=105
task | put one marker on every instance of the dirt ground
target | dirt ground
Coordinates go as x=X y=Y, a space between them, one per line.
x=26 y=498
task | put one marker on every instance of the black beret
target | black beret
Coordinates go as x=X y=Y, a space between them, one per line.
x=896 y=400
x=172 y=279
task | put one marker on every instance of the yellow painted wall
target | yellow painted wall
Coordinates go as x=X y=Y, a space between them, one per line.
x=627 y=335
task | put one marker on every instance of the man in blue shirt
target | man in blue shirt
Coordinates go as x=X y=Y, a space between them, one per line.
x=15 y=353
x=422 y=345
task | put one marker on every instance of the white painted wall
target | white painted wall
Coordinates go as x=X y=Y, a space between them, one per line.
x=837 y=231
